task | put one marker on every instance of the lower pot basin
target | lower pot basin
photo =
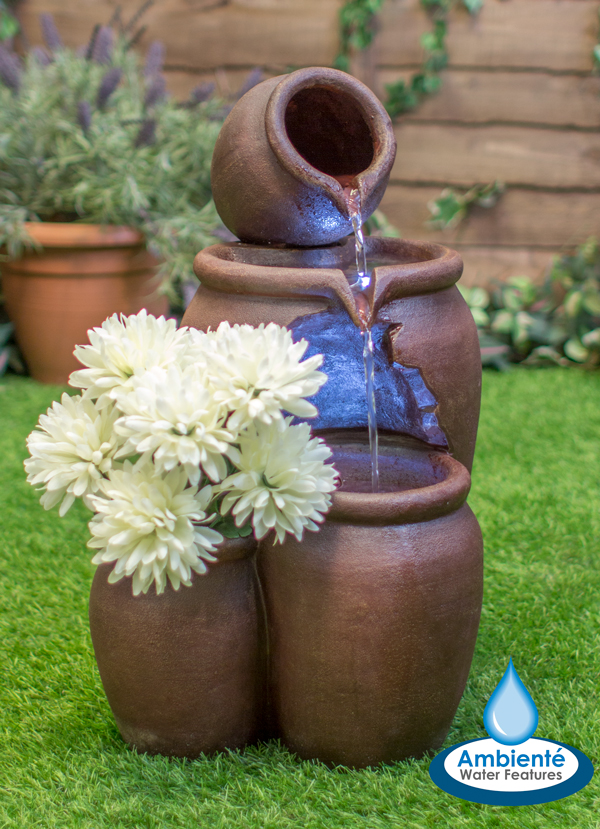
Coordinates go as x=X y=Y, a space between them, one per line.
x=416 y=482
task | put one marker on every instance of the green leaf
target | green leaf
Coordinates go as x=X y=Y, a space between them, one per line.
x=479 y=298
x=573 y=303
x=473 y=6
x=575 y=350
x=482 y=319
x=502 y=322
x=225 y=524
x=591 y=301
x=592 y=338
x=9 y=25
x=512 y=299
x=447 y=210
x=545 y=354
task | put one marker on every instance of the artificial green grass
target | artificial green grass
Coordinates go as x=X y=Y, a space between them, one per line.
x=537 y=496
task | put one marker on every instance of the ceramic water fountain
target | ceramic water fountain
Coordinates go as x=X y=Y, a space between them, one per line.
x=372 y=621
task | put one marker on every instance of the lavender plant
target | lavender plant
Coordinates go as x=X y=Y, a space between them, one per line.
x=90 y=135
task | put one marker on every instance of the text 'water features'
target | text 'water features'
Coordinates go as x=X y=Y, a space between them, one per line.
x=363 y=281
x=510 y=717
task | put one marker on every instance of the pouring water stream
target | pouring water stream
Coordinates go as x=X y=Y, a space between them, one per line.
x=363 y=281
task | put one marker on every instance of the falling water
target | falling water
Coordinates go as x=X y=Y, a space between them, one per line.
x=363 y=281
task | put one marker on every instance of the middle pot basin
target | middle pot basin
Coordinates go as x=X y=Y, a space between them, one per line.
x=372 y=621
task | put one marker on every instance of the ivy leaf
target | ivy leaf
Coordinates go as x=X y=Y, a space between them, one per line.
x=401 y=98
x=447 y=210
x=473 y=6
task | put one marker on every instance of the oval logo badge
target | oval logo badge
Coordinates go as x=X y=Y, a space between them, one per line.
x=511 y=767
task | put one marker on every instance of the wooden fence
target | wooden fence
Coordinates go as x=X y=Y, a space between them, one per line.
x=518 y=103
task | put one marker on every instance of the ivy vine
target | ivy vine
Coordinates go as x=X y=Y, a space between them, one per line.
x=451 y=207
x=357 y=20
x=357 y=29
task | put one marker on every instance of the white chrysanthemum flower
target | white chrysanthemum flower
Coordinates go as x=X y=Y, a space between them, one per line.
x=123 y=347
x=71 y=450
x=283 y=482
x=198 y=347
x=172 y=417
x=147 y=523
x=257 y=372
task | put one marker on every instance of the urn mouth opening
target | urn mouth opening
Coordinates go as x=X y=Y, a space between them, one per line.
x=417 y=483
x=329 y=131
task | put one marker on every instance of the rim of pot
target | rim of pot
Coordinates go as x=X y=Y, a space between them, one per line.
x=80 y=234
x=225 y=266
x=407 y=506
x=373 y=114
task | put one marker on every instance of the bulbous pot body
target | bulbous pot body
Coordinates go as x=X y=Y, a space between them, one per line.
x=372 y=625
x=290 y=152
x=184 y=671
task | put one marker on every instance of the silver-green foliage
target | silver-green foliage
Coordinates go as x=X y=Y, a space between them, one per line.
x=91 y=136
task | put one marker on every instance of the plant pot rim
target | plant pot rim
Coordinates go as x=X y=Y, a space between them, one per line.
x=81 y=235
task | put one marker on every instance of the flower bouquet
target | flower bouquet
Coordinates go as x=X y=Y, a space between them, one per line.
x=183 y=445
x=180 y=439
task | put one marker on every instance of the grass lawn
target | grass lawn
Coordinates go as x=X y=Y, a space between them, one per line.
x=537 y=496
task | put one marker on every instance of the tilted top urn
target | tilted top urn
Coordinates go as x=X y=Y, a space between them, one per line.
x=401 y=567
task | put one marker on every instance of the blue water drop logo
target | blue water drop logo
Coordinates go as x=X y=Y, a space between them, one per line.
x=510 y=717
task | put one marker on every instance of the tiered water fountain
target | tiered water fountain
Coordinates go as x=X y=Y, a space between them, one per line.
x=372 y=621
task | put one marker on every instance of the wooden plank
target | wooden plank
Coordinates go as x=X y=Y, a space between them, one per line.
x=463 y=155
x=523 y=97
x=227 y=81
x=521 y=218
x=547 y=34
x=487 y=266
x=202 y=34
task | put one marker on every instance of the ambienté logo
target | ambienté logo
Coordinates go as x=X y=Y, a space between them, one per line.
x=535 y=771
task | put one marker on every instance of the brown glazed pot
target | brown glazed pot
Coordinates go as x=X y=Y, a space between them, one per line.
x=372 y=621
x=289 y=153
x=413 y=302
x=82 y=275
x=184 y=672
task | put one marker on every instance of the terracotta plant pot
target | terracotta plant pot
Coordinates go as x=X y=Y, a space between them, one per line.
x=83 y=274
x=373 y=620
x=184 y=672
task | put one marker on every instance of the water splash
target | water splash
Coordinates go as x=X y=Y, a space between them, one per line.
x=510 y=717
x=363 y=281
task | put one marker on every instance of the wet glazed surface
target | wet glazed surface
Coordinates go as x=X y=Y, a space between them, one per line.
x=404 y=404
